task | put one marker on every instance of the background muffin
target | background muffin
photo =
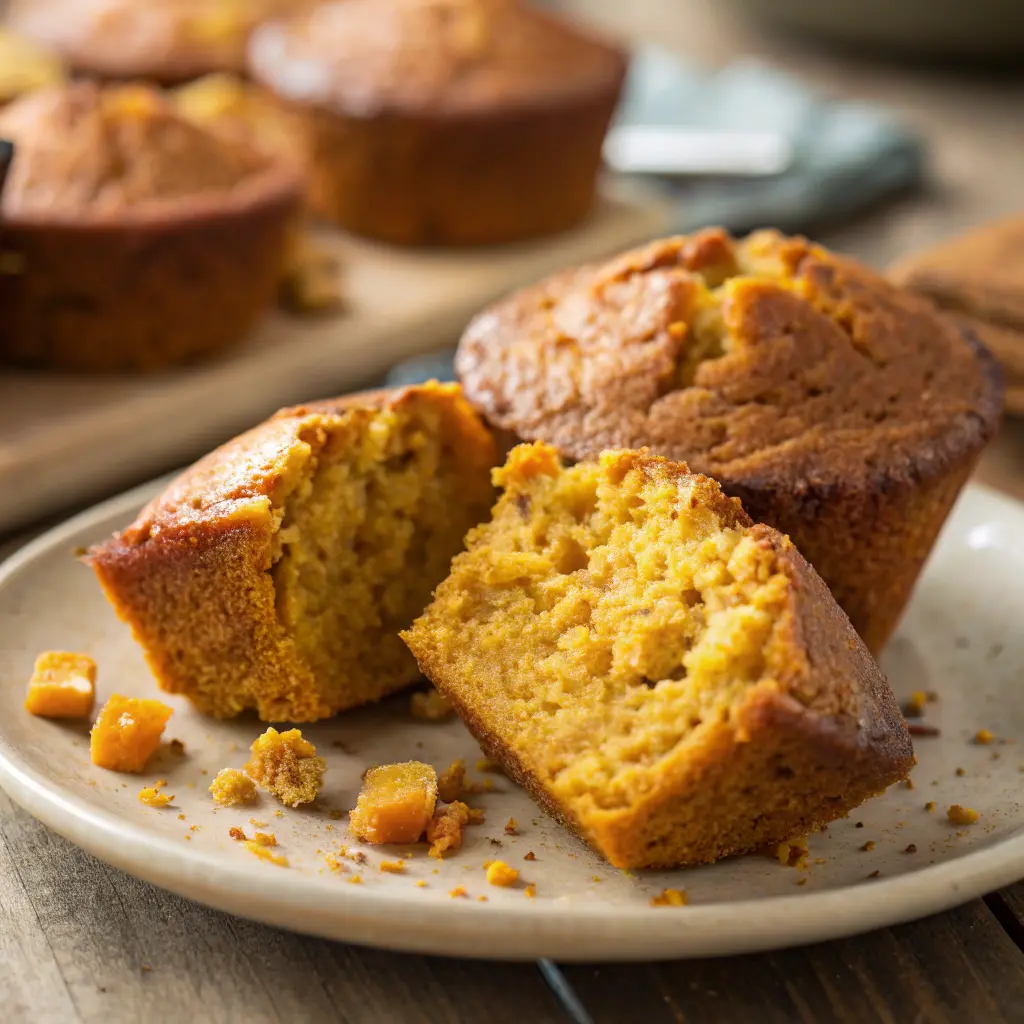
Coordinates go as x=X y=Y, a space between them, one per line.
x=24 y=66
x=444 y=121
x=164 y=40
x=133 y=239
x=842 y=410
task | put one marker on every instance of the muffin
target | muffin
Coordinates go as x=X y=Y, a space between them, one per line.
x=134 y=240
x=24 y=67
x=166 y=41
x=841 y=410
x=673 y=682
x=277 y=572
x=978 y=280
x=445 y=122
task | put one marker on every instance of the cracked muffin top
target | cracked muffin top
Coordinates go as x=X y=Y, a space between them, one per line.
x=85 y=150
x=755 y=360
x=166 y=40
x=452 y=56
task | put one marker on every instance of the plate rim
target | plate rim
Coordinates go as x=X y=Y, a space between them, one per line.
x=540 y=928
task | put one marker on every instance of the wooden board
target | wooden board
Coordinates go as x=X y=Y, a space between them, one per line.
x=65 y=440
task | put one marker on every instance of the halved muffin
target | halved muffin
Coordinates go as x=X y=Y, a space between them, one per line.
x=673 y=682
x=840 y=409
x=133 y=239
x=277 y=572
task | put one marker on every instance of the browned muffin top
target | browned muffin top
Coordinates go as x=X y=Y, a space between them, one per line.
x=752 y=360
x=85 y=149
x=368 y=56
x=169 y=40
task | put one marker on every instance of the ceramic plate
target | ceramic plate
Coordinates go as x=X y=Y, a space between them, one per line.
x=893 y=859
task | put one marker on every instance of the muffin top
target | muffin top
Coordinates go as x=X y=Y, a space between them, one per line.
x=85 y=151
x=169 y=40
x=25 y=66
x=756 y=361
x=365 y=57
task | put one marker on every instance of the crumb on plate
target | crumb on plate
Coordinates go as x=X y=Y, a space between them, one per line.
x=127 y=733
x=286 y=765
x=396 y=803
x=63 y=685
x=232 y=786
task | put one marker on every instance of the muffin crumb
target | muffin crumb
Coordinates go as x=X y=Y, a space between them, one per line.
x=63 y=684
x=286 y=765
x=669 y=898
x=444 y=832
x=958 y=815
x=499 y=873
x=232 y=786
x=396 y=803
x=152 y=796
x=127 y=733
x=393 y=867
x=264 y=853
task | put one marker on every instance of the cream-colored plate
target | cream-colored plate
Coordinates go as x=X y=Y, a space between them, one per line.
x=961 y=639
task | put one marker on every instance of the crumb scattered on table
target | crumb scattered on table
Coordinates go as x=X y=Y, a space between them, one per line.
x=237 y=834
x=530 y=856
x=393 y=867
x=501 y=874
x=459 y=890
x=153 y=796
x=868 y=846
x=958 y=815
x=984 y=736
x=930 y=806
x=265 y=838
x=264 y=853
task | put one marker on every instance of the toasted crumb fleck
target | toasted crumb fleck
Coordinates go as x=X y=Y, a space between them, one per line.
x=530 y=856
x=669 y=898
x=793 y=853
x=431 y=706
x=530 y=891
x=181 y=817
x=511 y=827
x=488 y=766
x=396 y=803
x=257 y=824
x=176 y=747
x=451 y=781
x=459 y=890
x=911 y=848
x=336 y=864
x=908 y=783
x=152 y=797
x=875 y=873
x=237 y=834
x=264 y=853
x=958 y=815
x=930 y=806
x=187 y=837
x=868 y=846
x=499 y=873
x=984 y=736
x=914 y=707
x=265 y=838
x=231 y=786
x=921 y=730
x=859 y=824
x=279 y=813
x=393 y=867
x=476 y=816
x=481 y=899
x=194 y=828
x=444 y=832
x=801 y=881
x=358 y=857
x=596 y=878
x=421 y=883
x=961 y=772
x=355 y=880
x=286 y=765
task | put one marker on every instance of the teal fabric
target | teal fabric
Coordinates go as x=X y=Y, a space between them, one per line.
x=847 y=156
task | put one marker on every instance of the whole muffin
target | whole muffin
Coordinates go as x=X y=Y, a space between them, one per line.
x=840 y=409
x=449 y=122
x=164 y=40
x=133 y=239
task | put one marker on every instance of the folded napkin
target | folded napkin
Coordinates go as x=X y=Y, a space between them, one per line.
x=846 y=156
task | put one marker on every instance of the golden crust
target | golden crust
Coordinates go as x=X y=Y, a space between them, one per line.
x=802 y=748
x=191 y=574
x=840 y=409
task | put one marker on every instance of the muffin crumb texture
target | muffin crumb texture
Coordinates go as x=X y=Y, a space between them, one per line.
x=127 y=733
x=285 y=764
x=232 y=786
x=671 y=680
x=430 y=706
x=501 y=874
x=63 y=685
x=396 y=803
x=445 y=829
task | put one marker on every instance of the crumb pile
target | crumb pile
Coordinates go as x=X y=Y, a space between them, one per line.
x=671 y=680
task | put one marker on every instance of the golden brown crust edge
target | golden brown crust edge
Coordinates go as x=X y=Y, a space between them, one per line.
x=789 y=762
x=190 y=576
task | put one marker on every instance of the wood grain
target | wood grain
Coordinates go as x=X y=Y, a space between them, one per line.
x=957 y=967
x=80 y=941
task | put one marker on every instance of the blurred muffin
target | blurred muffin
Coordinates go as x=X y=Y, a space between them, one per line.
x=841 y=410
x=133 y=239
x=25 y=66
x=444 y=122
x=164 y=40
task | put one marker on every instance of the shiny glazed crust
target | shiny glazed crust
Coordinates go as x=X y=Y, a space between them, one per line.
x=843 y=411
x=191 y=578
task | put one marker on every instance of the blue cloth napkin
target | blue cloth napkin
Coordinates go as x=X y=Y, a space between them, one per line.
x=846 y=156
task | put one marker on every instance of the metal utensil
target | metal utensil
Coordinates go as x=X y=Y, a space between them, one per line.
x=689 y=152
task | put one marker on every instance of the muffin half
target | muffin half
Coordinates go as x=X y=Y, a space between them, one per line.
x=447 y=122
x=277 y=572
x=133 y=239
x=672 y=681
x=841 y=410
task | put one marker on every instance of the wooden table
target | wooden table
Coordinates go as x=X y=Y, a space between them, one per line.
x=81 y=941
